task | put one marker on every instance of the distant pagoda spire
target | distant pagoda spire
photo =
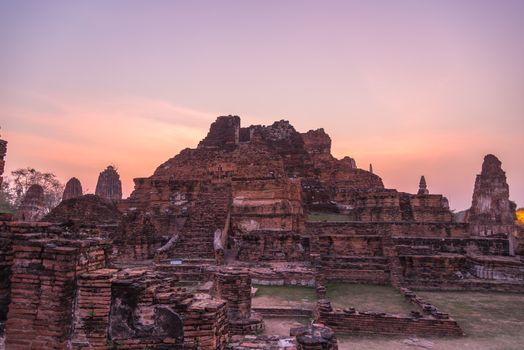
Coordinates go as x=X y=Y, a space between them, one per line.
x=422 y=187
x=371 y=168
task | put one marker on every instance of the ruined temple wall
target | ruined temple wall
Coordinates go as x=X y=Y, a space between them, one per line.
x=381 y=323
x=361 y=245
x=225 y=131
x=430 y=208
x=267 y=204
x=91 y=310
x=206 y=325
x=396 y=229
x=272 y=246
x=354 y=269
x=433 y=270
x=376 y=206
x=43 y=288
x=496 y=268
x=6 y=261
x=478 y=245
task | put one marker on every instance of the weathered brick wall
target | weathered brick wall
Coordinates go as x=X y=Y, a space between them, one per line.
x=137 y=238
x=430 y=208
x=150 y=310
x=267 y=204
x=272 y=246
x=6 y=261
x=206 y=326
x=349 y=321
x=361 y=245
x=91 y=310
x=225 y=131
x=409 y=229
x=479 y=245
x=234 y=286
x=355 y=269
x=433 y=270
x=42 y=291
x=496 y=268
x=377 y=206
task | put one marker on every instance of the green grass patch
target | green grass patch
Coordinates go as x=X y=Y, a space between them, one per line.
x=291 y=296
x=365 y=297
x=483 y=315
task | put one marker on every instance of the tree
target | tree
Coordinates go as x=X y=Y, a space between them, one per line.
x=21 y=179
x=6 y=199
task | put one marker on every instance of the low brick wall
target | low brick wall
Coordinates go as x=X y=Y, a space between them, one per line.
x=350 y=322
x=283 y=311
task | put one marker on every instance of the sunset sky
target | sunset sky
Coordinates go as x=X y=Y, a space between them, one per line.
x=414 y=87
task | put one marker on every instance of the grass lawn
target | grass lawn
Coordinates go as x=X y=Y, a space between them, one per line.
x=290 y=296
x=365 y=297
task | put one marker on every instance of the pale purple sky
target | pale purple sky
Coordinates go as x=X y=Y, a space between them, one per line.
x=414 y=87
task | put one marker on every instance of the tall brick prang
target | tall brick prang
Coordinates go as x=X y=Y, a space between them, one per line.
x=491 y=211
x=3 y=152
x=109 y=185
x=72 y=189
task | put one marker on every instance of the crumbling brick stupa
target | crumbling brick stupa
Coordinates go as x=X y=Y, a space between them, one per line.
x=172 y=266
x=3 y=152
x=73 y=189
x=109 y=185
x=491 y=210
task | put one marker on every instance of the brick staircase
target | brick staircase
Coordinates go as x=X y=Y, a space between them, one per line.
x=208 y=213
x=391 y=253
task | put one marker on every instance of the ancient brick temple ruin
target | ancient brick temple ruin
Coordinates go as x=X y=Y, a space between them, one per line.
x=172 y=266
x=3 y=151
x=73 y=189
x=109 y=185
